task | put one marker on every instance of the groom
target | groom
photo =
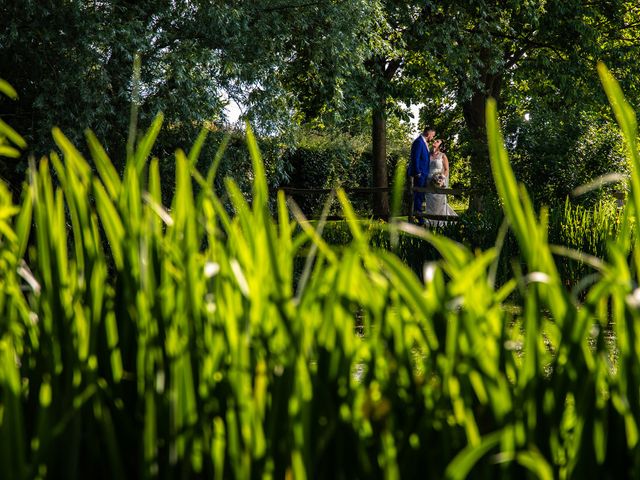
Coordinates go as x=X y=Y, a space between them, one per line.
x=419 y=167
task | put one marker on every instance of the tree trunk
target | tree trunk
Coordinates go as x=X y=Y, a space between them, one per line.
x=379 y=137
x=474 y=115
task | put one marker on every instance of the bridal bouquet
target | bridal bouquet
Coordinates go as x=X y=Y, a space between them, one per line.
x=439 y=180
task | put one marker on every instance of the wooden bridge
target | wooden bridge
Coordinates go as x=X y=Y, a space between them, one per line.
x=408 y=193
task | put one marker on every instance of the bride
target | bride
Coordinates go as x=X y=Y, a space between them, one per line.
x=436 y=203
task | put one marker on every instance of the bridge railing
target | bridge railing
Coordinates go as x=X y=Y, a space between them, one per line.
x=409 y=191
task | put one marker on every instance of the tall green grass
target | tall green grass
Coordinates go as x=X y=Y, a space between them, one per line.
x=144 y=341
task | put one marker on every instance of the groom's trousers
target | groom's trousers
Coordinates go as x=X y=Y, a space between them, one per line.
x=418 y=197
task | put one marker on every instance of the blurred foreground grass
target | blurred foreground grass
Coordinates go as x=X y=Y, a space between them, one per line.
x=138 y=341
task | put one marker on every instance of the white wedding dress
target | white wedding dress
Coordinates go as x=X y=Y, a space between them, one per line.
x=436 y=203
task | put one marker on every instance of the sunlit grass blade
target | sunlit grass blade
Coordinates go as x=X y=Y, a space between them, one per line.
x=215 y=164
x=598 y=182
x=111 y=223
x=462 y=464
x=304 y=277
x=146 y=143
x=11 y=428
x=71 y=155
x=506 y=183
x=454 y=253
x=502 y=235
x=324 y=248
x=413 y=294
x=9 y=152
x=8 y=90
x=627 y=120
x=399 y=179
x=107 y=171
x=196 y=148
x=536 y=463
x=260 y=189
x=12 y=135
x=352 y=220
x=133 y=113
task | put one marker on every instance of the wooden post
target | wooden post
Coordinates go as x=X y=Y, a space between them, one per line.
x=410 y=191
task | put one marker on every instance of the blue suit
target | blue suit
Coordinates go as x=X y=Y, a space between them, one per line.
x=419 y=170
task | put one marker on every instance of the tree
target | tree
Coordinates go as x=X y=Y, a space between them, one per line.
x=453 y=56
x=71 y=63
x=485 y=50
x=296 y=61
x=369 y=77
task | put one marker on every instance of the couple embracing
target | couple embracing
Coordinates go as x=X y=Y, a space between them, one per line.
x=429 y=166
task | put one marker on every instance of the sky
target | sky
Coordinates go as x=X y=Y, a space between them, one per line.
x=233 y=112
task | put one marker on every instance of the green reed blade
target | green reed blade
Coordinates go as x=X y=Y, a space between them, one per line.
x=283 y=221
x=399 y=179
x=71 y=155
x=243 y=212
x=110 y=438
x=110 y=219
x=8 y=90
x=627 y=120
x=150 y=436
x=11 y=134
x=23 y=222
x=107 y=171
x=462 y=464
x=352 y=220
x=9 y=152
x=408 y=285
x=218 y=446
x=196 y=148
x=455 y=254
x=154 y=200
x=308 y=264
x=506 y=182
x=146 y=143
x=324 y=248
x=533 y=461
x=260 y=189
x=12 y=432
x=213 y=169
x=389 y=457
x=499 y=244
x=183 y=204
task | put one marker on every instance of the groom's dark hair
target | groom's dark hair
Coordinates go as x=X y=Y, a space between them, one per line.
x=428 y=128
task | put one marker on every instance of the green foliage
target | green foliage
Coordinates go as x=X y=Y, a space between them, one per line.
x=233 y=162
x=328 y=159
x=554 y=152
x=71 y=62
x=533 y=58
x=328 y=62
x=143 y=341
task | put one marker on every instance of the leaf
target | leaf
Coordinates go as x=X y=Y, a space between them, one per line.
x=71 y=155
x=146 y=144
x=107 y=171
x=9 y=152
x=194 y=153
x=260 y=190
x=536 y=463
x=111 y=223
x=8 y=90
x=461 y=465
x=12 y=135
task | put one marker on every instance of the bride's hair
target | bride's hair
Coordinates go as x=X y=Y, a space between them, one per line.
x=443 y=147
